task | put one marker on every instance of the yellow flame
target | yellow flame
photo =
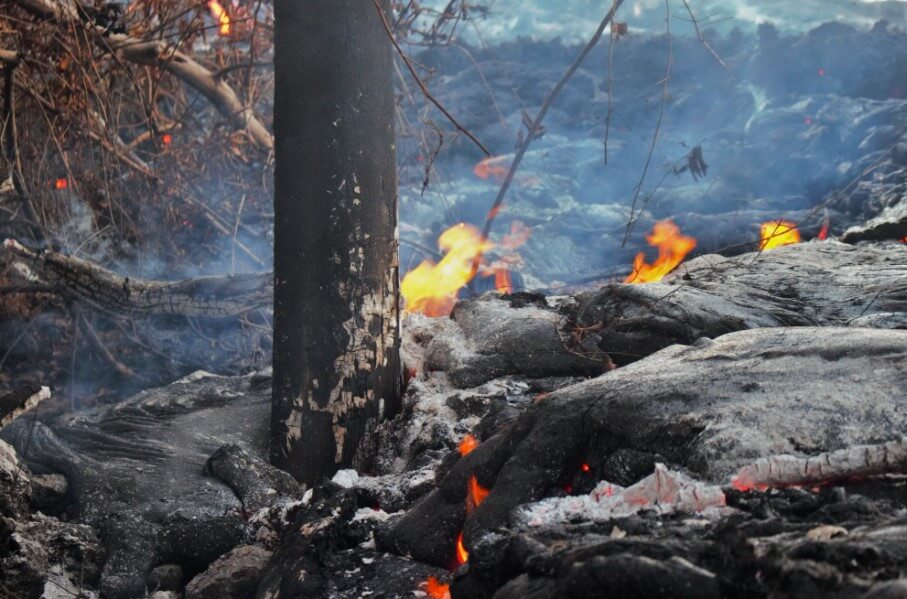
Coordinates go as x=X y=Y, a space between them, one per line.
x=431 y=288
x=776 y=233
x=672 y=249
x=220 y=14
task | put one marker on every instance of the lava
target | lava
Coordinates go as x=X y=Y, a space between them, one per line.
x=777 y=233
x=467 y=444
x=435 y=589
x=672 y=249
x=477 y=494
x=502 y=282
x=219 y=13
x=826 y=226
x=432 y=288
x=462 y=554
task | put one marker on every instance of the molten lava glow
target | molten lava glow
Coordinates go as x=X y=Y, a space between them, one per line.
x=672 y=249
x=477 y=494
x=467 y=444
x=826 y=225
x=61 y=184
x=219 y=13
x=462 y=554
x=493 y=167
x=436 y=589
x=776 y=233
x=585 y=468
x=432 y=289
x=502 y=282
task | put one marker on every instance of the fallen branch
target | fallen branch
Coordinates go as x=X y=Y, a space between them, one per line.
x=84 y=281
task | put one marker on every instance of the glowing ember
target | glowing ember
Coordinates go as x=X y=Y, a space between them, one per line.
x=776 y=233
x=61 y=184
x=166 y=139
x=672 y=249
x=462 y=554
x=432 y=289
x=585 y=468
x=219 y=13
x=436 y=589
x=493 y=167
x=467 y=444
x=477 y=494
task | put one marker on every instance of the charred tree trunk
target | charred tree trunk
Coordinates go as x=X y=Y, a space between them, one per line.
x=336 y=323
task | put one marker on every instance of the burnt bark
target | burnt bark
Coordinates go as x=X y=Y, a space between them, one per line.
x=336 y=343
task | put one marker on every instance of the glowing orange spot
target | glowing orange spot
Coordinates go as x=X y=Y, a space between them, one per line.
x=462 y=554
x=585 y=468
x=431 y=288
x=436 y=589
x=219 y=13
x=61 y=184
x=672 y=249
x=477 y=494
x=777 y=233
x=166 y=139
x=467 y=444
x=491 y=167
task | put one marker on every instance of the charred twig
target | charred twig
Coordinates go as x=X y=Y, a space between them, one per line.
x=706 y=43
x=661 y=112
x=536 y=124
x=80 y=280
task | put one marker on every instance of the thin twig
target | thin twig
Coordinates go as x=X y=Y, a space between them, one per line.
x=530 y=135
x=706 y=43
x=421 y=84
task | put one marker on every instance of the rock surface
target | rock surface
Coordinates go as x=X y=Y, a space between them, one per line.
x=234 y=575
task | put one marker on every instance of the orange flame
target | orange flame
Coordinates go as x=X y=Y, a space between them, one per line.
x=462 y=554
x=219 y=13
x=432 y=289
x=672 y=249
x=61 y=184
x=502 y=282
x=467 y=444
x=779 y=232
x=436 y=589
x=491 y=167
x=826 y=226
x=477 y=494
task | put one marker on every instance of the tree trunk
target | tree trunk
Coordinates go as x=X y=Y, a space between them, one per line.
x=336 y=320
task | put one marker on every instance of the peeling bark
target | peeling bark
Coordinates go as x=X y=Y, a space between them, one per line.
x=336 y=345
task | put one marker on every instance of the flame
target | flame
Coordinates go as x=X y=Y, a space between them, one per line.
x=432 y=289
x=779 y=232
x=826 y=226
x=502 y=282
x=477 y=494
x=436 y=589
x=61 y=184
x=467 y=444
x=219 y=13
x=491 y=167
x=672 y=249
x=462 y=554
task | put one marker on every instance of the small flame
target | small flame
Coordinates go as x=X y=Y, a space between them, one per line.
x=492 y=167
x=436 y=589
x=61 y=184
x=219 y=13
x=467 y=444
x=672 y=249
x=477 y=494
x=462 y=554
x=502 y=282
x=431 y=288
x=776 y=233
x=826 y=226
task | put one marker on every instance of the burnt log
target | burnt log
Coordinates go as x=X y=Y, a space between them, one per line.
x=336 y=319
x=710 y=408
x=90 y=283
